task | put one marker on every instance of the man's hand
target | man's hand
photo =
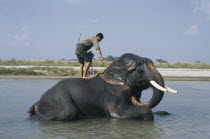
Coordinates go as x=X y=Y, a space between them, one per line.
x=101 y=58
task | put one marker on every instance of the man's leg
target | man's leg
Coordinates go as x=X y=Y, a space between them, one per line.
x=81 y=62
x=87 y=66
x=81 y=70
x=84 y=56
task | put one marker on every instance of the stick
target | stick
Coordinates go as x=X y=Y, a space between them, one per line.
x=79 y=37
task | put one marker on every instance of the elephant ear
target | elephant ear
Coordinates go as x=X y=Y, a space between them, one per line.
x=114 y=74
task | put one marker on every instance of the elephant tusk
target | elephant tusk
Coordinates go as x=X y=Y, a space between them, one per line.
x=171 y=90
x=167 y=89
x=158 y=86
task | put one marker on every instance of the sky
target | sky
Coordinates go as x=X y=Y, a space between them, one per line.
x=173 y=30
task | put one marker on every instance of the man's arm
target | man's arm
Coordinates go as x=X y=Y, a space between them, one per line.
x=95 y=43
x=101 y=57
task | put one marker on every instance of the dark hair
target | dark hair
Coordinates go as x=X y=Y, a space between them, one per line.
x=100 y=35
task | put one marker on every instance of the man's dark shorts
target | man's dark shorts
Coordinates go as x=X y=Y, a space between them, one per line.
x=82 y=54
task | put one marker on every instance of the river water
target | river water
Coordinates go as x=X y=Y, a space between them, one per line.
x=190 y=115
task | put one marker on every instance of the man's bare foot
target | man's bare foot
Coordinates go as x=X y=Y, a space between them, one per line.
x=85 y=77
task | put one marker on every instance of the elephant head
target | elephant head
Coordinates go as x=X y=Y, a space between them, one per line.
x=137 y=73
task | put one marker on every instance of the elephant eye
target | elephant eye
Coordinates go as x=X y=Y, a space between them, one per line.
x=139 y=69
x=139 y=63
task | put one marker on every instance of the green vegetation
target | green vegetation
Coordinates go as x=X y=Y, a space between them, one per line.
x=161 y=61
x=96 y=63
x=56 y=71
x=183 y=65
x=49 y=62
x=46 y=62
x=111 y=58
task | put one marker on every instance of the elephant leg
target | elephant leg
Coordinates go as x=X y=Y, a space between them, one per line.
x=57 y=105
x=69 y=112
x=43 y=117
x=135 y=112
x=35 y=115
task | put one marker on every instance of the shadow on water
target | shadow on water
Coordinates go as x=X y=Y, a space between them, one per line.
x=100 y=128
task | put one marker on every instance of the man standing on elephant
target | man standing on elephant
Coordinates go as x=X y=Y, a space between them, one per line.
x=84 y=56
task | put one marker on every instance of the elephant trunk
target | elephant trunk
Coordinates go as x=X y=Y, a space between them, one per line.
x=157 y=83
x=157 y=93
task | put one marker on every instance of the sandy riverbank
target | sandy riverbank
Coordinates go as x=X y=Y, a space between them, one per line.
x=171 y=74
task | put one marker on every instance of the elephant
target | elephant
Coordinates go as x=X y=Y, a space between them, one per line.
x=113 y=93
